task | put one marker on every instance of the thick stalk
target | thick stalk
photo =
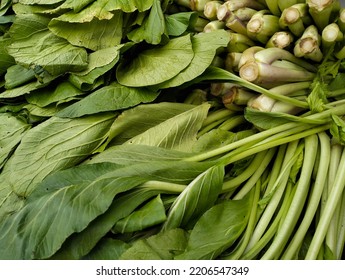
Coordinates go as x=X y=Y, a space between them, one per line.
x=326 y=215
x=272 y=5
x=213 y=25
x=239 y=42
x=262 y=26
x=232 y=61
x=295 y=209
x=211 y=8
x=321 y=11
x=308 y=45
x=313 y=203
x=295 y=18
x=332 y=232
x=280 y=39
x=198 y=5
x=341 y=20
x=232 y=123
x=341 y=230
x=330 y=35
x=283 y=4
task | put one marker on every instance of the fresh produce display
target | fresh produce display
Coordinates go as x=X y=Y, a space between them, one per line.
x=173 y=130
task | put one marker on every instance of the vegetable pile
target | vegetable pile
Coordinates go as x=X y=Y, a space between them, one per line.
x=164 y=129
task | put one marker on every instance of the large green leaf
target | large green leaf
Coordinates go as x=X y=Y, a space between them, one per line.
x=178 y=23
x=162 y=246
x=100 y=62
x=152 y=28
x=108 y=249
x=130 y=154
x=80 y=244
x=205 y=46
x=178 y=132
x=12 y=130
x=48 y=95
x=38 y=230
x=52 y=145
x=109 y=98
x=158 y=64
x=18 y=75
x=217 y=230
x=151 y=214
x=45 y=50
x=5 y=59
x=140 y=118
x=95 y=35
x=197 y=197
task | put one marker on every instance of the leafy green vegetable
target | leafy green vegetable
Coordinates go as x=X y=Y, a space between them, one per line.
x=157 y=65
x=54 y=144
x=208 y=240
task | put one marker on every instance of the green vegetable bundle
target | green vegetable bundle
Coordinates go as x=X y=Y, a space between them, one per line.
x=163 y=129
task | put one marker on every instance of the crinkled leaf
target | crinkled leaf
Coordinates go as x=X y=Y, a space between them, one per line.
x=109 y=98
x=157 y=64
x=318 y=97
x=52 y=145
x=178 y=23
x=108 y=249
x=48 y=96
x=197 y=197
x=177 y=133
x=38 y=230
x=95 y=35
x=12 y=130
x=39 y=2
x=205 y=46
x=151 y=214
x=152 y=28
x=162 y=246
x=217 y=230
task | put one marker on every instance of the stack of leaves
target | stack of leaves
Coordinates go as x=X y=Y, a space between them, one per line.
x=130 y=130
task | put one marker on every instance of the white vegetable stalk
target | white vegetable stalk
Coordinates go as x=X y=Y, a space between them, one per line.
x=295 y=18
x=331 y=34
x=198 y=5
x=211 y=8
x=283 y=4
x=239 y=42
x=232 y=61
x=214 y=25
x=341 y=20
x=280 y=39
x=321 y=11
x=308 y=46
x=262 y=26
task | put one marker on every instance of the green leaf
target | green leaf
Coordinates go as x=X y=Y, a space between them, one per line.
x=46 y=50
x=5 y=59
x=52 y=145
x=80 y=244
x=95 y=35
x=177 y=133
x=205 y=46
x=38 y=230
x=108 y=98
x=99 y=63
x=151 y=214
x=338 y=129
x=152 y=28
x=318 y=96
x=18 y=75
x=267 y=120
x=136 y=120
x=131 y=154
x=47 y=96
x=217 y=230
x=162 y=246
x=178 y=23
x=198 y=197
x=157 y=64
x=108 y=249
x=12 y=130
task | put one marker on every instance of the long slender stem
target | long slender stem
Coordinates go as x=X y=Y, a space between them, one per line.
x=331 y=203
x=313 y=203
x=280 y=240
